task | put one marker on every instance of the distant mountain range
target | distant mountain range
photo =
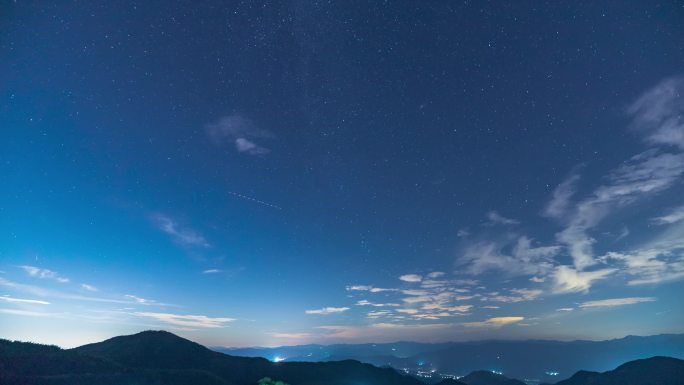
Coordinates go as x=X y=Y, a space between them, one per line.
x=158 y=357
x=541 y=360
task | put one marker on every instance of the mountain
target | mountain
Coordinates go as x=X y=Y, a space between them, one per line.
x=483 y=377
x=158 y=357
x=449 y=381
x=649 y=371
x=542 y=360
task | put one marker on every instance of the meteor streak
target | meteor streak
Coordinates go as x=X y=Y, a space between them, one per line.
x=254 y=200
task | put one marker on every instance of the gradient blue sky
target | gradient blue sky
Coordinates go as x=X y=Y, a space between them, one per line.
x=247 y=173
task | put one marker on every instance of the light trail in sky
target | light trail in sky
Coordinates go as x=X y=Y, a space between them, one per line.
x=254 y=200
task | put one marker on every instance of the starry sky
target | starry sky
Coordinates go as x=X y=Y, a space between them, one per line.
x=275 y=173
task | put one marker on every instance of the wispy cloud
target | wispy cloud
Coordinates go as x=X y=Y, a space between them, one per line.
x=30 y=313
x=364 y=302
x=522 y=259
x=560 y=202
x=434 y=298
x=495 y=218
x=569 y=280
x=37 y=272
x=613 y=302
x=660 y=113
x=369 y=288
x=242 y=132
x=674 y=216
x=495 y=322
x=659 y=259
x=327 y=310
x=188 y=320
x=50 y=293
x=211 y=271
x=7 y=298
x=410 y=327
x=411 y=278
x=378 y=314
x=139 y=300
x=182 y=235
x=514 y=295
x=293 y=336
x=643 y=175
x=87 y=287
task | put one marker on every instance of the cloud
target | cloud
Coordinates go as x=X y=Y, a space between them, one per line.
x=179 y=234
x=242 y=132
x=364 y=302
x=139 y=300
x=496 y=218
x=290 y=335
x=249 y=147
x=380 y=289
x=524 y=259
x=515 y=295
x=453 y=309
x=359 y=288
x=410 y=327
x=327 y=310
x=525 y=253
x=87 y=287
x=49 y=293
x=415 y=292
x=411 y=278
x=379 y=313
x=368 y=288
x=436 y=274
x=407 y=311
x=643 y=175
x=31 y=313
x=675 y=215
x=569 y=280
x=613 y=302
x=565 y=309
x=211 y=271
x=340 y=331
x=191 y=321
x=495 y=322
x=558 y=206
x=43 y=273
x=659 y=113
x=655 y=260
x=7 y=298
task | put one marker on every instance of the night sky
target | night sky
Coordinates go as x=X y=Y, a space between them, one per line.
x=279 y=173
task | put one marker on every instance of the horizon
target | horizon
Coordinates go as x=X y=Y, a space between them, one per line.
x=288 y=173
x=212 y=347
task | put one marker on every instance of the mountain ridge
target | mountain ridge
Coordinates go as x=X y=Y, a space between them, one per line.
x=160 y=357
x=545 y=360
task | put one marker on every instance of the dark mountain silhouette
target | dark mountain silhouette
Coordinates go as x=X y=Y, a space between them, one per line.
x=157 y=357
x=450 y=382
x=649 y=371
x=483 y=377
x=516 y=359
